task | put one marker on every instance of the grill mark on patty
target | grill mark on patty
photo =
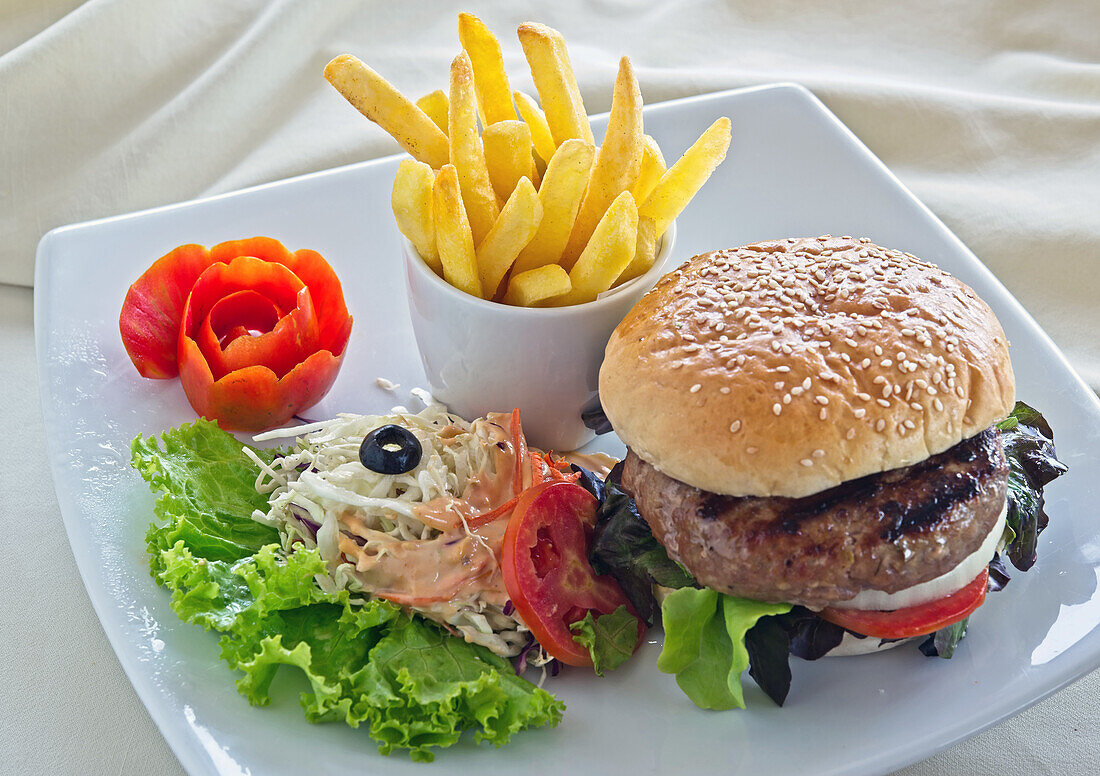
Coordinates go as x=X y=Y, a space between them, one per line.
x=924 y=493
x=885 y=532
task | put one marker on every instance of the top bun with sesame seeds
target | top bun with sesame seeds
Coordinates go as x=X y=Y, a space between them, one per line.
x=786 y=368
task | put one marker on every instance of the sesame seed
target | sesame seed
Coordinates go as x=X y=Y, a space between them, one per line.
x=806 y=384
x=823 y=414
x=880 y=425
x=783 y=368
x=777 y=408
x=882 y=402
x=806 y=462
x=818 y=453
x=937 y=404
x=917 y=406
x=878 y=350
x=735 y=426
x=821 y=399
x=752 y=450
x=779 y=386
x=851 y=434
x=886 y=363
x=695 y=388
x=724 y=389
x=864 y=396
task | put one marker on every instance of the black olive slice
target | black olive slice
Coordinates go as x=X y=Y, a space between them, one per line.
x=390 y=450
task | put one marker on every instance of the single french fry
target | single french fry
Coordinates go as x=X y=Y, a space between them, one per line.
x=617 y=162
x=561 y=192
x=454 y=241
x=537 y=285
x=652 y=168
x=555 y=82
x=412 y=202
x=517 y=224
x=435 y=106
x=494 y=96
x=607 y=254
x=684 y=179
x=378 y=100
x=645 y=251
x=508 y=156
x=533 y=116
x=467 y=153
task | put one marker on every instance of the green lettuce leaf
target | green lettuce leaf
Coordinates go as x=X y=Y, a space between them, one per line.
x=1032 y=464
x=705 y=643
x=609 y=638
x=624 y=547
x=413 y=685
x=207 y=492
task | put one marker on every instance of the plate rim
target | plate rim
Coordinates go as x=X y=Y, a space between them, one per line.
x=1075 y=662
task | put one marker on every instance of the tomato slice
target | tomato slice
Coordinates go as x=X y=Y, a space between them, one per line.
x=913 y=620
x=546 y=568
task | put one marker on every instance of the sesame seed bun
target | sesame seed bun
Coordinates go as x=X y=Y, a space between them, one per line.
x=785 y=368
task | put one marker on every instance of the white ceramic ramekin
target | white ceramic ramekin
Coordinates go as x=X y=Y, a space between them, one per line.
x=483 y=356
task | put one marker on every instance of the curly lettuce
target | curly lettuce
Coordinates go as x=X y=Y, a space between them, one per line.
x=411 y=684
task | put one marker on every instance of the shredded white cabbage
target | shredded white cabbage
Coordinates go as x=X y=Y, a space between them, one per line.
x=321 y=495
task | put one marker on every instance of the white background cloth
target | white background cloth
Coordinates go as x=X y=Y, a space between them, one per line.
x=989 y=110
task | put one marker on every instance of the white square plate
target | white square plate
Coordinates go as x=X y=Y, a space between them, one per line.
x=793 y=170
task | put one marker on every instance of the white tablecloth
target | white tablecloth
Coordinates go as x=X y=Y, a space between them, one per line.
x=989 y=110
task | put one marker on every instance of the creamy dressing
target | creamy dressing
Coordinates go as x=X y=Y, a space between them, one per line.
x=453 y=566
x=597 y=463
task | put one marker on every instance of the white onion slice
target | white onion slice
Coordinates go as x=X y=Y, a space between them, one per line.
x=955 y=579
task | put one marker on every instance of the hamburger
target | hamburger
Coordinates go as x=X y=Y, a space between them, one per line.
x=813 y=422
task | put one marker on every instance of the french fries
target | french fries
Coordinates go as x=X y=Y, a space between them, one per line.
x=535 y=119
x=494 y=96
x=607 y=254
x=683 y=179
x=561 y=192
x=412 y=202
x=617 y=163
x=645 y=251
x=377 y=99
x=554 y=80
x=435 y=106
x=466 y=151
x=454 y=240
x=530 y=211
x=650 y=171
x=518 y=221
x=535 y=286
x=508 y=156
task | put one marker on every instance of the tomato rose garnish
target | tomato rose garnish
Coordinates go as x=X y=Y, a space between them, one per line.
x=256 y=333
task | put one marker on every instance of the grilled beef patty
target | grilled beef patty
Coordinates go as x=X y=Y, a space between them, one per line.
x=887 y=531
